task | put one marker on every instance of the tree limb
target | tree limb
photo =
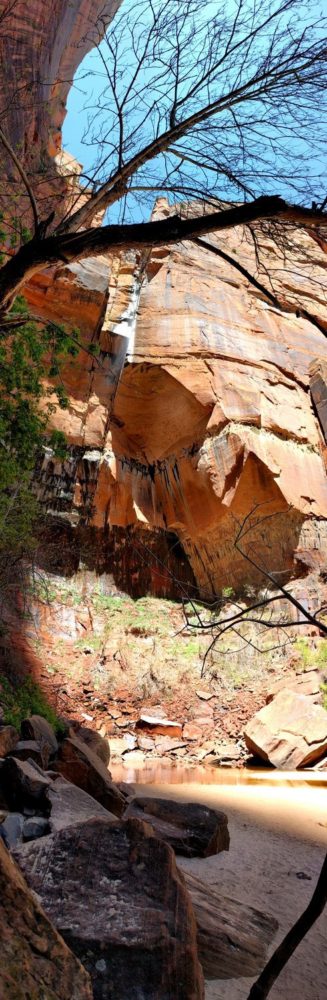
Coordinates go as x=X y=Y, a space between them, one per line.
x=68 y=247
x=283 y=953
x=280 y=304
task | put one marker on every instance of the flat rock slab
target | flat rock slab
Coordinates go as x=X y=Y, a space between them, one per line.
x=80 y=765
x=290 y=732
x=122 y=744
x=164 y=744
x=161 y=727
x=114 y=892
x=35 y=962
x=193 y=830
x=233 y=938
x=307 y=683
x=70 y=805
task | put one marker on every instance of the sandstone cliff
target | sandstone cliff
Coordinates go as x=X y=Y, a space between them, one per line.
x=197 y=410
x=41 y=46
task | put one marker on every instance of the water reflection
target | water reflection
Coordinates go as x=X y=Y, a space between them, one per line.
x=291 y=802
x=174 y=774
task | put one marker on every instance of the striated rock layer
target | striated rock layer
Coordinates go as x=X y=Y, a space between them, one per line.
x=197 y=414
x=41 y=46
x=198 y=409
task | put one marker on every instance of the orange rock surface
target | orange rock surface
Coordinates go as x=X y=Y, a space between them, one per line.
x=198 y=410
x=41 y=46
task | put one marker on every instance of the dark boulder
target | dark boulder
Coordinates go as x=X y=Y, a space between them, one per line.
x=39 y=729
x=23 y=783
x=35 y=962
x=192 y=829
x=8 y=739
x=80 y=765
x=114 y=892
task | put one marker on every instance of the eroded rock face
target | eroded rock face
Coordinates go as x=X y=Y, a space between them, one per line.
x=200 y=413
x=34 y=960
x=41 y=46
x=137 y=933
x=213 y=414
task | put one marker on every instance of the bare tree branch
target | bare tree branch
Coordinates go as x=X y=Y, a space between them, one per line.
x=22 y=173
x=282 y=305
x=37 y=254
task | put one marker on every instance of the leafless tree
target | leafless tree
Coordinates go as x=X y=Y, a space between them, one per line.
x=203 y=102
x=274 y=608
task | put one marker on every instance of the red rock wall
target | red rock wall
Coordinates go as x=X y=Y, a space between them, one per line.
x=209 y=416
x=41 y=46
x=199 y=408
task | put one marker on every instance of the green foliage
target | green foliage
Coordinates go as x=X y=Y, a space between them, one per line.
x=21 y=700
x=324 y=694
x=228 y=592
x=30 y=353
x=305 y=651
x=312 y=656
x=93 y=643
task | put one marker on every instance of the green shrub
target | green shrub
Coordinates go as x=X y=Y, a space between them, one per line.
x=20 y=700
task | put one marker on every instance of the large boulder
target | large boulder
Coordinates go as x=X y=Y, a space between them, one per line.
x=308 y=682
x=96 y=742
x=289 y=732
x=70 y=805
x=35 y=963
x=31 y=750
x=115 y=894
x=39 y=729
x=80 y=765
x=192 y=829
x=23 y=783
x=233 y=937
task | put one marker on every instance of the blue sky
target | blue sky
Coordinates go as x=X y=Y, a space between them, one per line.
x=86 y=90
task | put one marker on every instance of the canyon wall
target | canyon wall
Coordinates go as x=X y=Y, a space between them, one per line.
x=196 y=414
x=206 y=404
x=41 y=46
